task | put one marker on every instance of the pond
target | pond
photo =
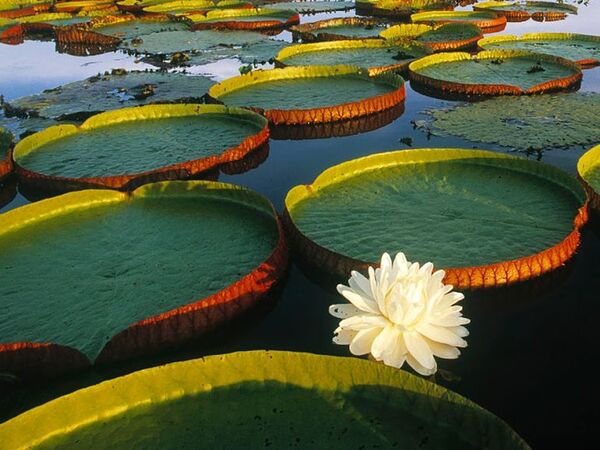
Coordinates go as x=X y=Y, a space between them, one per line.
x=531 y=350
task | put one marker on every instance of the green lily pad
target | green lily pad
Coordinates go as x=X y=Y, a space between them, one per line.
x=524 y=123
x=588 y=168
x=139 y=28
x=278 y=399
x=338 y=29
x=399 y=9
x=487 y=21
x=449 y=36
x=314 y=6
x=227 y=18
x=139 y=140
x=81 y=99
x=456 y=208
x=582 y=48
x=8 y=5
x=496 y=72
x=529 y=7
x=81 y=267
x=181 y=7
x=376 y=54
x=139 y=4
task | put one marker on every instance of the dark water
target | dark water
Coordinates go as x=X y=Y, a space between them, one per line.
x=531 y=351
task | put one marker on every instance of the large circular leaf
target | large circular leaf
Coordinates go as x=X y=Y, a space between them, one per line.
x=263 y=398
x=446 y=37
x=376 y=54
x=582 y=48
x=519 y=11
x=338 y=29
x=303 y=95
x=313 y=6
x=108 y=275
x=489 y=218
x=489 y=22
x=494 y=72
x=588 y=168
x=130 y=27
x=245 y=19
x=123 y=148
x=399 y=9
x=183 y=7
x=5 y=158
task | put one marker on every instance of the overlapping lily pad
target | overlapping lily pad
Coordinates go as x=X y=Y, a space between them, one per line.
x=122 y=149
x=245 y=19
x=88 y=6
x=489 y=219
x=314 y=6
x=338 y=29
x=582 y=48
x=11 y=31
x=400 y=9
x=446 y=37
x=5 y=158
x=376 y=54
x=588 y=168
x=494 y=72
x=129 y=27
x=316 y=94
x=18 y=8
x=539 y=122
x=282 y=398
x=489 y=22
x=184 y=257
x=519 y=11
x=138 y=5
x=182 y=7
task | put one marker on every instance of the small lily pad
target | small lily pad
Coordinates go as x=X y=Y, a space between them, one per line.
x=338 y=29
x=491 y=218
x=489 y=22
x=262 y=399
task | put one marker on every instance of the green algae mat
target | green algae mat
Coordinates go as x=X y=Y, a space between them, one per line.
x=538 y=122
x=118 y=147
x=495 y=72
x=449 y=36
x=478 y=213
x=338 y=29
x=109 y=91
x=128 y=273
x=581 y=48
x=262 y=398
x=376 y=54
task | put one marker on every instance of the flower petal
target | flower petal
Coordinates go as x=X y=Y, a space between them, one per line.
x=361 y=344
x=412 y=362
x=363 y=322
x=441 y=335
x=449 y=320
x=419 y=349
x=442 y=350
x=384 y=342
x=363 y=303
x=344 y=337
x=343 y=311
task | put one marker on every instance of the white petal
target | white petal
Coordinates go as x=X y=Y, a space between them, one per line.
x=397 y=355
x=442 y=350
x=450 y=299
x=441 y=335
x=363 y=322
x=360 y=283
x=344 y=311
x=412 y=362
x=361 y=344
x=418 y=348
x=343 y=337
x=460 y=331
x=450 y=320
x=361 y=302
x=385 y=342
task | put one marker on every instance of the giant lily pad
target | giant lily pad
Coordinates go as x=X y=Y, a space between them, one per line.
x=245 y=19
x=5 y=159
x=283 y=399
x=182 y=7
x=108 y=275
x=12 y=9
x=490 y=219
x=74 y=6
x=338 y=29
x=129 y=27
x=582 y=48
x=81 y=99
x=446 y=37
x=123 y=148
x=316 y=94
x=494 y=72
x=376 y=54
x=489 y=22
x=588 y=168
x=314 y=6
x=400 y=9
x=537 y=122
x=519 y=11
x=138 y=5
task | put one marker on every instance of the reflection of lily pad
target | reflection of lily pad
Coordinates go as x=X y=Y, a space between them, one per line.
x=283 y=399
x=5 y=160
x=338 y=29
x=449 y=36
x=588 y=168
x=244 y=19
x=81 y=99
x=125 y=147
x=495 y=219
x=494 y=73
x=202 y=47
x=525 y=123
x=376 y=54
x=183 y=257
x=302 y=95
x=582 y=48
x=489 y=22
x=518 y=11
x=314 y=6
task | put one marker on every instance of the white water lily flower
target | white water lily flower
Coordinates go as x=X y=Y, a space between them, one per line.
x=401 y=313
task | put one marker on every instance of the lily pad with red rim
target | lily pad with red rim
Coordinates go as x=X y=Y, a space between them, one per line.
x=520 y=11
x=256 y=19
x=400 y=9
x=488 y=219
x=104 y=275
x=489 y=22
x=183 y=7
x=588 y=168
x=284 y=399
x=445 y=37
x=338 y=29
x=313 y=6
x=124 y=148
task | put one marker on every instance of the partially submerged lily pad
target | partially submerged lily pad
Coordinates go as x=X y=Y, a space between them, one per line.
x=588 y=168
x=446 y=37
x=124 y=148
x=519 y=11
x=5 y=158
x=492 y=219
x=338 y=29
x=313 y=6
x=245 y=19
x=582 y=48
x=375 y=54
x=538 y=122
x=494 y=73
x=316 y=94
x=489 y=22
x=184 y=257
x=81 y=99
x=282 y=398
